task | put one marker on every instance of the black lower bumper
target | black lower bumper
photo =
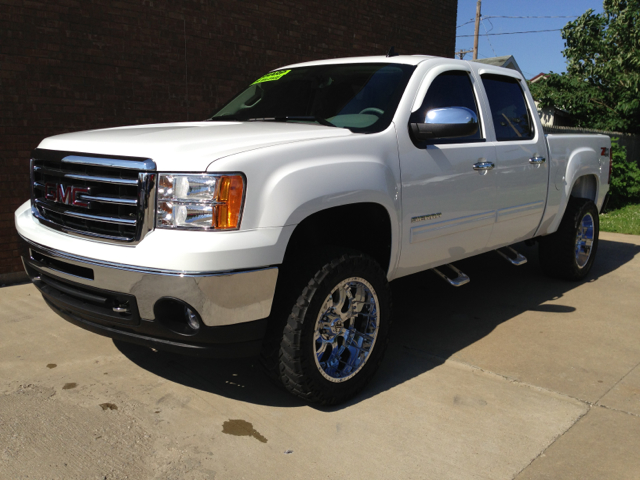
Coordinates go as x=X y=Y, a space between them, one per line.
x=92 y=309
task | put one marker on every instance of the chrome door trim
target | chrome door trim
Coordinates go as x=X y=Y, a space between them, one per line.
x=509 y=213
x=446 y=227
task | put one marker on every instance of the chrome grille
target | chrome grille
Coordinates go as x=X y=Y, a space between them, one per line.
x=110 y=199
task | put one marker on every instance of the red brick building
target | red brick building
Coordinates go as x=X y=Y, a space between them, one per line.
x=70 y=65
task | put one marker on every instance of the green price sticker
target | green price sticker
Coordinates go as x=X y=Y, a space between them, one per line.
x=271 y=76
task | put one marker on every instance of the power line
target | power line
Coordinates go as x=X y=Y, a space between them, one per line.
x=467 y=23
x=486 y=32
x=557 y=16
x=505 y=16
x=511 y=33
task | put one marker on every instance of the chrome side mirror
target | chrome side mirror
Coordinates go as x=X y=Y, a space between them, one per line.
x=449 y=122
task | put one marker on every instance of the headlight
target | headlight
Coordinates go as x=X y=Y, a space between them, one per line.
x=204 y=202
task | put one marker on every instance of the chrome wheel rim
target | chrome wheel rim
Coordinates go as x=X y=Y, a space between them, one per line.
x=584 y=240
x=346 y=329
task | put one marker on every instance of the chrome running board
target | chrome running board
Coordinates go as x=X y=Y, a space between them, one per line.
x=514 y=258
x=461 y=279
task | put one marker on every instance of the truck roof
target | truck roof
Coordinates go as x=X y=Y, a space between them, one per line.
x=408 y=60
x=404 y=59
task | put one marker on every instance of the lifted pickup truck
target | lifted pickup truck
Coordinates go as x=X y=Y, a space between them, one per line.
x=274 y=227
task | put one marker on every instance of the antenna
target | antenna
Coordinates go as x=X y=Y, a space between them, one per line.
x=392 y=52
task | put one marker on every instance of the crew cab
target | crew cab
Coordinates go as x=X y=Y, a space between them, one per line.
x=274 y=227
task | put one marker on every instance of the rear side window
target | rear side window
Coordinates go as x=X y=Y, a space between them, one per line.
x=449 y=89
x=511 y=117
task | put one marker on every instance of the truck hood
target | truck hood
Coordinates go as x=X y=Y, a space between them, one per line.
x=188 y=146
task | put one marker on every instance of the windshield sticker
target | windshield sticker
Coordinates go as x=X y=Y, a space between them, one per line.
x=271 y=76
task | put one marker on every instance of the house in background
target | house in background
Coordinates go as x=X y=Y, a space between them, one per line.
x=552 y=116
x=507 y=62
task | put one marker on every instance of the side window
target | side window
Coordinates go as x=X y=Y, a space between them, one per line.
x=449 y=89
x=511 y=117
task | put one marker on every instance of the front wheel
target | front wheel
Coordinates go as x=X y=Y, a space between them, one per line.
x=570 y=252
x=337 y=332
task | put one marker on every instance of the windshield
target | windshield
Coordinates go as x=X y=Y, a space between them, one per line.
x=361 y=97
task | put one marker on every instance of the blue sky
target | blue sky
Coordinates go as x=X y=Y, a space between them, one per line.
x=534 y=52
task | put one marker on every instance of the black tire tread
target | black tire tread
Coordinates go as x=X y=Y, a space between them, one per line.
x=292 y=363
x=292 y=274
x=556 y=251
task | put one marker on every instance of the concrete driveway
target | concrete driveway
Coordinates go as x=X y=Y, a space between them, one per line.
x=511 y=376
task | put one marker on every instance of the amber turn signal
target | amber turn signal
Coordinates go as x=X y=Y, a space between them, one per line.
x=230 y=195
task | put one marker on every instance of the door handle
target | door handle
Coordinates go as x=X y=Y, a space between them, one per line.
x=483 y=167
x=537 y=161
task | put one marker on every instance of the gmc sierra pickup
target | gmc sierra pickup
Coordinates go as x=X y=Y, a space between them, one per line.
x=275 y=226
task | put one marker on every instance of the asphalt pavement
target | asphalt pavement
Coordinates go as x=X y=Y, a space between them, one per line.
x=513 y=376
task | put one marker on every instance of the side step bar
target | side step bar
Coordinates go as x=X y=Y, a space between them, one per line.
x=460 y=280
x=512 y=256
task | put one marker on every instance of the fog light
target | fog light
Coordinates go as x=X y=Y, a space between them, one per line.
x=192 y=319
x=177 y=315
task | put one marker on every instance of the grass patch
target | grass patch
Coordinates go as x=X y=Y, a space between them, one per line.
x=623 y=220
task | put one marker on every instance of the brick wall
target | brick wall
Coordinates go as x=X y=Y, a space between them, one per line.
x=70 y=65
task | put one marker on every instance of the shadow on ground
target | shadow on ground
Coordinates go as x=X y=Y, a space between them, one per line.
x=432 y=322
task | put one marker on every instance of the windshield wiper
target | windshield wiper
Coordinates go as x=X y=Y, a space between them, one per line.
x=320 y=120
x=224 y=118
x=315 y=118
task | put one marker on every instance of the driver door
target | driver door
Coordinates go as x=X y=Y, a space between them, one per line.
x=448 y=207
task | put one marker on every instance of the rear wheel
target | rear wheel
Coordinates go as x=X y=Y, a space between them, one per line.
x=570 y=252
x=337 y=332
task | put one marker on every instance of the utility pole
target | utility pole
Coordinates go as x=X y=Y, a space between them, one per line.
x=461 y=53
x=475 y=36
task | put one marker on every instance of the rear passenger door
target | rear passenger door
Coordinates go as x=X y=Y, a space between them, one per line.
x=521 y=171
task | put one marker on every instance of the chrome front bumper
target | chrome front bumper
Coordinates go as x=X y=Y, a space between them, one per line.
x=221 y=298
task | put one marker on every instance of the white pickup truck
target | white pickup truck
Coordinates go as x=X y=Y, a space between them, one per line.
x=275 y=226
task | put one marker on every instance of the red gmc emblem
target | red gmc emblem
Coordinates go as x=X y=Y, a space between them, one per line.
x=67 y=194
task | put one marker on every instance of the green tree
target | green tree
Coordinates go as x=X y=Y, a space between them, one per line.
x=625 y=178
x=601 y=87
